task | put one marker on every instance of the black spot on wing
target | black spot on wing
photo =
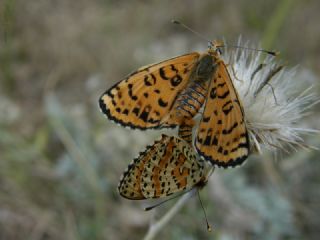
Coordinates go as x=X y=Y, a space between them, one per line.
x=162 y=74
x=157 y=113
x=173 y=68
x=133 y=97
x=125 y=111
x=176 y=80
x=162 y=103
x=224 y=95
x=221 y=84
x=205 y=119
x=215 y=141
x=240 y=145
x=213 y=93
x=145 y=113
x=149 y=80
x=227 y=107
x=136 y=111
x=207 y=141
x=228 y=131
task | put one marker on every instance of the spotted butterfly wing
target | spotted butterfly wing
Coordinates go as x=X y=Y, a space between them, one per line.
x=144 y=98
x=222 y=136
x=170 y=165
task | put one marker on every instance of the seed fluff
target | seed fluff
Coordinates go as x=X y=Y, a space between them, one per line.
x=273 y=105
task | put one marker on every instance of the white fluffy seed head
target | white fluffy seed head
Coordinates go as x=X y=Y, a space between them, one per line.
x=273 y=115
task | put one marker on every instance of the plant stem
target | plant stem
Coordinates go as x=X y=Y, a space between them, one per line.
x=162 y=222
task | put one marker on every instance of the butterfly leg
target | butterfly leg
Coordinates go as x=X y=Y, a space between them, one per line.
x=234 y=73
x=259 y=68
x=266 y=81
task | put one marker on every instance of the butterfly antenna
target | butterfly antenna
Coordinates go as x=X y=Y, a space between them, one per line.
x=205 y=215
x=160 y=203
x=272 y=53
x=190 y=29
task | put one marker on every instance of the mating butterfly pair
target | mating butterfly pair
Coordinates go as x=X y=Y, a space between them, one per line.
x=169 y=94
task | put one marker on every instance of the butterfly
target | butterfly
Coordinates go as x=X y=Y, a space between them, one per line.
x=170 y=93
x=168 y=166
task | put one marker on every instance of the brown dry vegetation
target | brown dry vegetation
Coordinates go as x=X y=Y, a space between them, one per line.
x=60 y=159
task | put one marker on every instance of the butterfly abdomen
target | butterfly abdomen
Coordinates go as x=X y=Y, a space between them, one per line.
x=190 y=100
x=185 y=132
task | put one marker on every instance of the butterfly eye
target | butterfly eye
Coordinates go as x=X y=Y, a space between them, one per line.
x=219 y=50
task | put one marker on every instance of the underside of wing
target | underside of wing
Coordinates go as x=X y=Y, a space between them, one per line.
x=146 y=96
x=172 y=170
x=130 y=182
x=222 y=136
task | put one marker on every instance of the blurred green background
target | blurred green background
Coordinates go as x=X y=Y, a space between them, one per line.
x=60 y=159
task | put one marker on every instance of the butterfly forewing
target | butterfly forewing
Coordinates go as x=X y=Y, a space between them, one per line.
x=222 y=135
x=170 y=165
x=146 y=96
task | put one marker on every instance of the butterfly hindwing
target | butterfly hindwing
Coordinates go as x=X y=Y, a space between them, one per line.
x=169 y=166
x=146 y=96
x=175 y=170
x=130 y=182
x=222 y=136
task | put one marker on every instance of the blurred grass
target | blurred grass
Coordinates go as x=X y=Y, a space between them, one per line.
x=273 y=28
x=83 y=158
x=60 y=159
x=7 y=51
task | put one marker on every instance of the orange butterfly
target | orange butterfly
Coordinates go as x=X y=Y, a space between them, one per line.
x=168 y=166
x=171 y=93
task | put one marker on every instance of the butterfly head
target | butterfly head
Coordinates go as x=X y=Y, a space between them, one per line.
x=215 y=47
